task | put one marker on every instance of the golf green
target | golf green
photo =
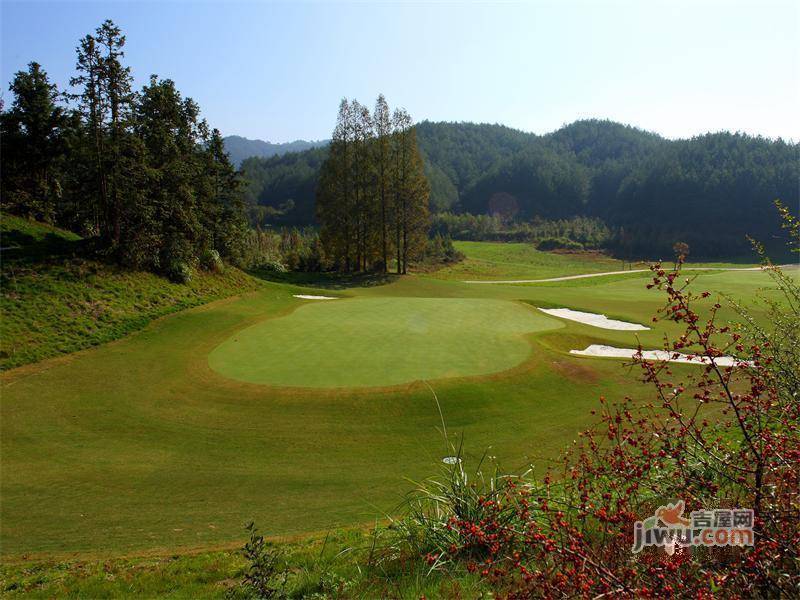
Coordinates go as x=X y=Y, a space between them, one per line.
x=373 y=342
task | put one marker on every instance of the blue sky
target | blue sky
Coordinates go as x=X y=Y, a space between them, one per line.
x=277 y=71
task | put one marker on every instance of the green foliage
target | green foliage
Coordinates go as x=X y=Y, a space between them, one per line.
x=650 y=187
x=284 y=250
x=280 y=190
x=179 y=272
x=32 y=138
x=373 y=196
x=559 y=243
x=440 y=250
x=534 y=182
x=140 y=175
x=586 y=232
x=344 y=563
x=432 y=512
x=211 y=261
x=710 y=191
x=265 y=577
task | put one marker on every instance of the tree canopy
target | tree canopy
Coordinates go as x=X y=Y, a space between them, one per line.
x=709 y=191
x=138 y=173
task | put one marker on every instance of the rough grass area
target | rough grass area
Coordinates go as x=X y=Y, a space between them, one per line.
x=351 y=563
x=54 y=301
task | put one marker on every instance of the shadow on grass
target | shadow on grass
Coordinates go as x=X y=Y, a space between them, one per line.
x=332 y=281
x=20 y=246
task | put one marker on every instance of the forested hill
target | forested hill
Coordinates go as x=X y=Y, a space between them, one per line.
x=239 y=148
x=710 y=191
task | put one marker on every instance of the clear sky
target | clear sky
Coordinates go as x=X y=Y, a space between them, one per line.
x=277 y=71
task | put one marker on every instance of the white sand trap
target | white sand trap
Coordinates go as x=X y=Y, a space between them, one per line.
x=451 y=460
x=312 y=297
x=662 y=355
x=593 y=319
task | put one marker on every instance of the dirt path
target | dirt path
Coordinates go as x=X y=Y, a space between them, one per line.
x=585 y=275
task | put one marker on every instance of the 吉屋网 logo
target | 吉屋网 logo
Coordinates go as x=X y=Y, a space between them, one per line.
x=669 y=529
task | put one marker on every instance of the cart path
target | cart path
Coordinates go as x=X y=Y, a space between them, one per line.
x=586 y=275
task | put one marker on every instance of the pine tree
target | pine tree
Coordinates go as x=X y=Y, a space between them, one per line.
x=411 y=192
x=335 y=198
x=170 y=235
x=363 y=177
x=372 y=181
x=92 y=109
x=221 y=203
x=115 y=84
x=383 y=131
x=32 y=145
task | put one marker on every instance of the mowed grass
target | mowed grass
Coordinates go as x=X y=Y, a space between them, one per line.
x=140 y=445
x=501 y=261
x=381 y=342
x=496 y=260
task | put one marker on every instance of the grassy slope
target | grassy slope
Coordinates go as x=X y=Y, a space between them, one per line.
x=54 y=302
x=496 y=260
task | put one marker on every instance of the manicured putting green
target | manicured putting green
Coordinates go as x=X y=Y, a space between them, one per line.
x=381 y=342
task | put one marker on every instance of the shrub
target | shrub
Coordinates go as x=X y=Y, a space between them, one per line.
x=722 y=437
x=265 y=577
x=212 y=262
x=439 y=250
x=459 y=517
x=558 y=244
x=179 y=272
x=272 y=266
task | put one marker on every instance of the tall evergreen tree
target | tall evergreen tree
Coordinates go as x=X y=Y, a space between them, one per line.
x=221 y=200
x=92 y=109
x=32 y=145
x=411 y=192
x=383 y=130
x=371 y=184
x=364 y=185
x=335 y=198
x=167 y=125
x=115 y=85
x=140 y=173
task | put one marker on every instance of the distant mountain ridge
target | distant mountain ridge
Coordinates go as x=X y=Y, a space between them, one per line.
x=709 y=191
x=240 y=148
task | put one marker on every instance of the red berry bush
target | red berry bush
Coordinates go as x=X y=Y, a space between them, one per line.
x=714 y=436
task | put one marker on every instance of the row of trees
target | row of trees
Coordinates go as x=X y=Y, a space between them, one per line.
x=372 y=194
x=578 y=232
x=138 y=172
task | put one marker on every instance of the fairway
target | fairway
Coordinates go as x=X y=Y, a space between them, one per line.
x=175 y=436
x=381 y=342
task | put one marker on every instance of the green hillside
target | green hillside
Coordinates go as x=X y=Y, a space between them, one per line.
x=55 y=300
x=632 y=179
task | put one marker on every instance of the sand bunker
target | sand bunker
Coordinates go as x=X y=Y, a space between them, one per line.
x=312 y=297
x=451 y=460
x=593 y=319
x=610 y=351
